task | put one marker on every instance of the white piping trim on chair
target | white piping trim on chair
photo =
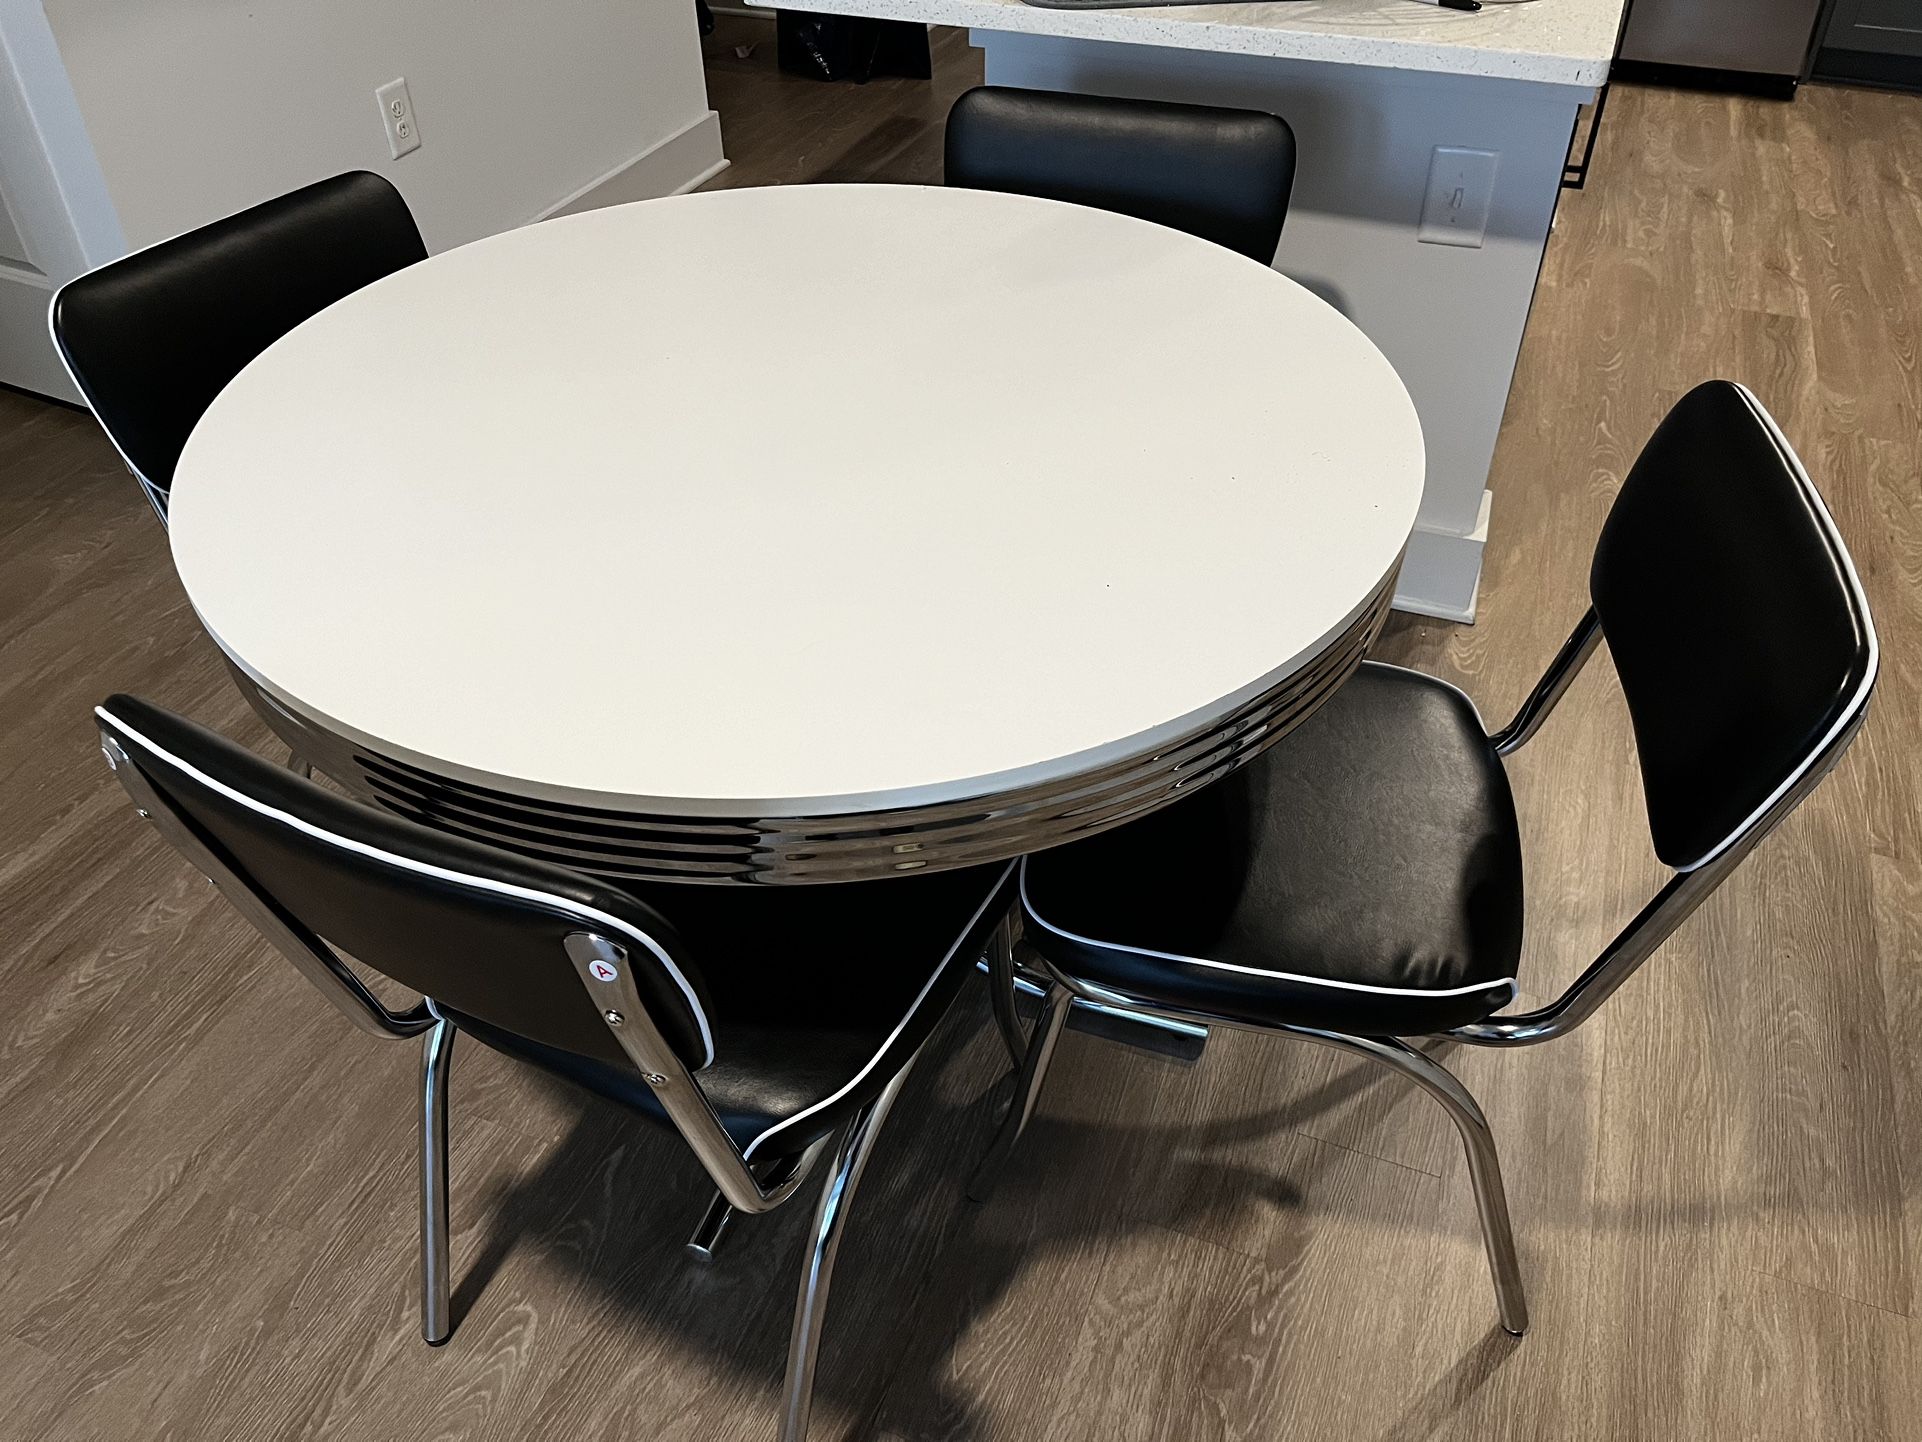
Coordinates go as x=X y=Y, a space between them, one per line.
x=479 y=883
x=1857 y=594
x=1027 y=906
x=747 y=1152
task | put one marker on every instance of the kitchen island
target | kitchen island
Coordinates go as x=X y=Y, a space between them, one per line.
x=1432 y=146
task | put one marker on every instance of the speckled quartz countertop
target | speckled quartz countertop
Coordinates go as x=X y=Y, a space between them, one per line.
x=1551 y=42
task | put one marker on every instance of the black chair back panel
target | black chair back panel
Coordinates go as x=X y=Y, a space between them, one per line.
x=466 y=924
x=1224 y=175
x=153 y=338
x=1734 y=616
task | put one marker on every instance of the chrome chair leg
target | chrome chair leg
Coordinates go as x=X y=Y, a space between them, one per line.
x=1027 y=1090
x=436 y=1322
x=1484 y=1165
x=817 y=1267
x=1001 y=988
x=299 y=765
x=716 y=1222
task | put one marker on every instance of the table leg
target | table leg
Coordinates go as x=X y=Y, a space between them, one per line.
x=1181 y=1040
x=1001 y=986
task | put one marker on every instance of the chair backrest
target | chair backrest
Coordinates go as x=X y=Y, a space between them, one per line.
x=1735 y=619
x=479 y=929
x=152 y=338
x=1224 y=175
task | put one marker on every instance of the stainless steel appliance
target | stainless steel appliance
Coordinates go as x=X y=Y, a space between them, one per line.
x=1874 y=42
x=1766 y=39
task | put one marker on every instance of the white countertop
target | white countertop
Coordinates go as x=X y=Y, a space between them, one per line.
x=1552 y=42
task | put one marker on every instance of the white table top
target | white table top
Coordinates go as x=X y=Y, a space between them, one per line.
x=1546 y=42
x=966 y=491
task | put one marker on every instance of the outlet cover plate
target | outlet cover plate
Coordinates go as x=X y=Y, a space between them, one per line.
x=397 y=114
x=1461 y=187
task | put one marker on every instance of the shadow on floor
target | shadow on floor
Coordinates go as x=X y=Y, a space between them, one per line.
x=615 y=1200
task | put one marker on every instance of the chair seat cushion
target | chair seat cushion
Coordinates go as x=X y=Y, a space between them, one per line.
x=1364 y=875
x=821 y=993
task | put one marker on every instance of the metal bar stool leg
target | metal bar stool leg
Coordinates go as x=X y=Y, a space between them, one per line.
x=1484 y=1167
x=436 y=1321
x=1027 y=1090
x=817 y=1266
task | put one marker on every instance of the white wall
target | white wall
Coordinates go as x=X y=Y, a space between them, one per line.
x=59 y=218
x=199 y=107
x=192 y=109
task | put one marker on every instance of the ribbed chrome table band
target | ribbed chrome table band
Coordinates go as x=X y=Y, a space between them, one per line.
x=853 y=846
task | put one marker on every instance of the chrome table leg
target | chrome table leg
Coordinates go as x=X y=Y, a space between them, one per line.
x=1181 y=1040
x=1027 y=1090
x=1164 y=1035
x=1001 y=987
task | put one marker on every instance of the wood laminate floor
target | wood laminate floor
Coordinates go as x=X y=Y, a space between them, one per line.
x=206 y=1195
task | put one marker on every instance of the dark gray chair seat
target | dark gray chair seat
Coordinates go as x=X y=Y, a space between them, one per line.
x=1241 y=901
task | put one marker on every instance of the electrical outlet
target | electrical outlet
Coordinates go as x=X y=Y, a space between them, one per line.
x=1461 y=187
x=397 y=114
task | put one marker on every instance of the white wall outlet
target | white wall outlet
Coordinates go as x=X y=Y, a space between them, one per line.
x=1461 y=186
x=397 y=114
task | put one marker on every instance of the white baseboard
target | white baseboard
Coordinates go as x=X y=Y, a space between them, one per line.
x=683 y=161
x=27 y=356
x=1442 y=571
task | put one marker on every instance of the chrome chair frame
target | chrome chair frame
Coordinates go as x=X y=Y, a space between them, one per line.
x=1640 y=939
x=741 y=1188
x=1668 y=908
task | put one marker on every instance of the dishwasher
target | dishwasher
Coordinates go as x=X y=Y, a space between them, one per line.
x=1760 y=45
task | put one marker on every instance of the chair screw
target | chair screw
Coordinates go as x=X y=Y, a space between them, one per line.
x=144 y=812
x=614 y=1018
x=653 y=1078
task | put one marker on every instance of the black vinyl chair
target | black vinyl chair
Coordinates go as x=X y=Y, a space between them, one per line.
x=1224 y=175
x=152 y=338
x=772 y=1027
x=1361 y=881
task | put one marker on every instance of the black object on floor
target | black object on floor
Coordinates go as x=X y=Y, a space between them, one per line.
x=1697 y=77
x=845 y=47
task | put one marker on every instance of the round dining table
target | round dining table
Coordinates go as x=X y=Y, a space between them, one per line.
x=802 y=534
